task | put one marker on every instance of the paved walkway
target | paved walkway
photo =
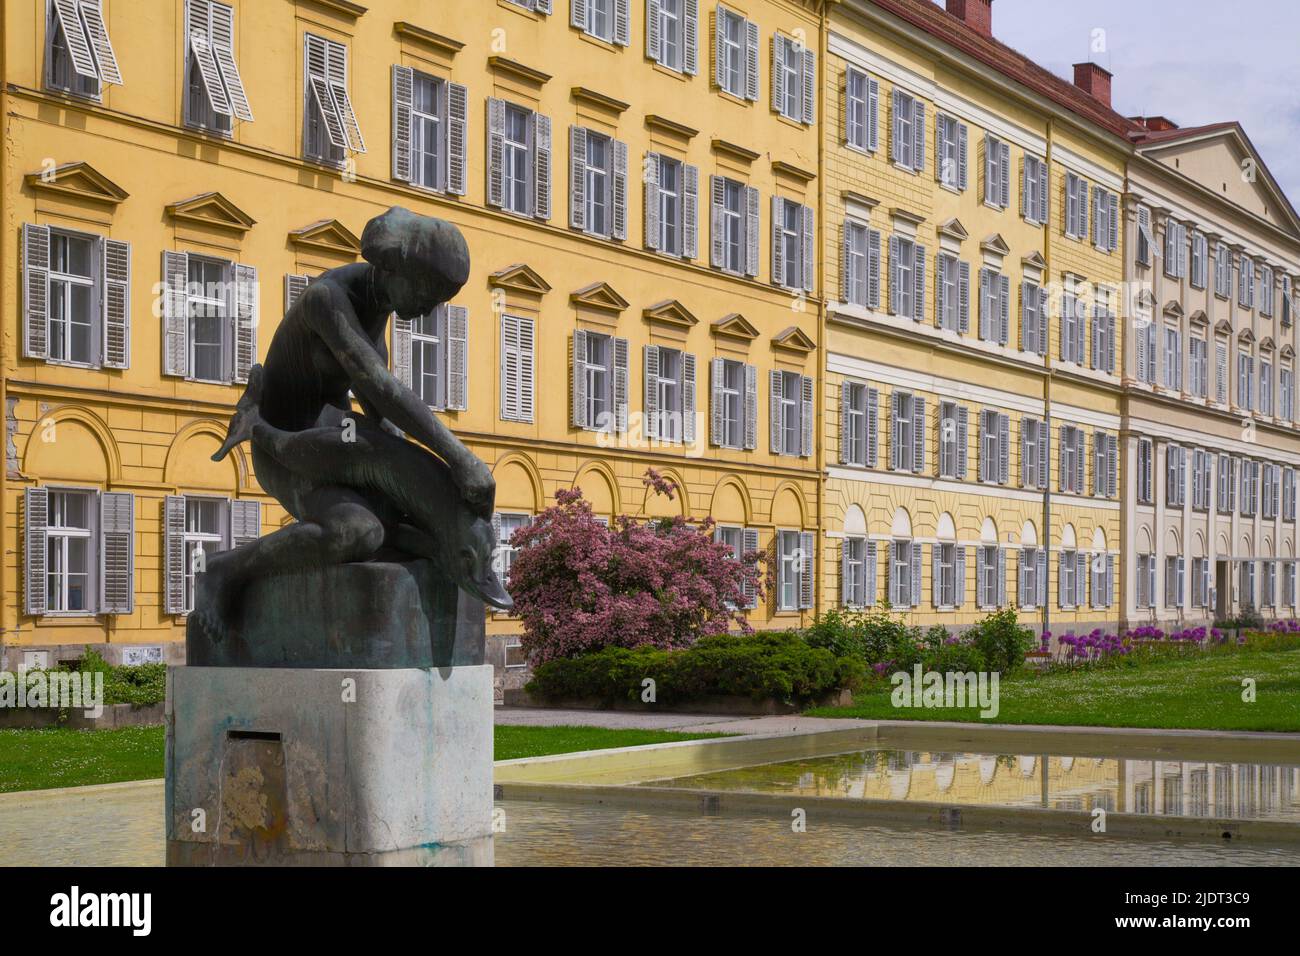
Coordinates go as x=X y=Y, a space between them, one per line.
x=681 y=723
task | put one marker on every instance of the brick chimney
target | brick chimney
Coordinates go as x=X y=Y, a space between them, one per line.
x=976 y=14
x=1154 y=124
x=1094 y=81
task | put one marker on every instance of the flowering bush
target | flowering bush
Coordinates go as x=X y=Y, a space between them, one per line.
x=580 y=586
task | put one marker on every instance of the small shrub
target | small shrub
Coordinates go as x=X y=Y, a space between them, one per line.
x=1002 y=640
x=770 y=664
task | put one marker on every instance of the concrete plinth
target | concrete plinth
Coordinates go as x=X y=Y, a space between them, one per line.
x=329 y=767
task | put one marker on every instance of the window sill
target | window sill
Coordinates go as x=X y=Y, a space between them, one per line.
x=607 y=45
x=217 y=134
x=68 y=363
x=950 y=187
x=670 y=71
x=67 y=618
x=739 y=99
x=73 y=94
x=864 y=150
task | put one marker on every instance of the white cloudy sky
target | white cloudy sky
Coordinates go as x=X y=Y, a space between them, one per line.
x=1195 y=61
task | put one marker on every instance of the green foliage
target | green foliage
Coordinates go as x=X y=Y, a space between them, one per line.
x=958 y=656
x=139 y=684
x=769 y=664
x=1248 y=620
x=1002 y=641
x=874 y=635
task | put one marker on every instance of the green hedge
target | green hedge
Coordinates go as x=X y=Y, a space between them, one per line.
x=765 y=665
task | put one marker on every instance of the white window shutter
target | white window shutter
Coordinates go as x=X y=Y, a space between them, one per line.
x=918 y=434
x=963 y=440
x=245 y=325
x=918 y=135
x=808 y=553
x=653 y=40
x=577 y=177
x=75 y=39
x=245 y=521
x=36 y=291
x=457 y=123
x=336 y=74
x=963 y=297
x=223 y=48
x=774 y=408
x=846 y=437
x=918 y=281
x=403 y=86
x=809 y=85
x=688 y=398
x=895 y=276
x=690 y=211
x=778 y=247
x=717 y=371
x=541 y=129
x=1004 y=309
x=651 y=177
x=578 y=14
x=622 y=22
x=496 y=133
x=751 y=230
x=542 y=6
x=751 y=407
x=198 y=28
x=619 y=190
x=36 y=503
x=778 y=73
x=650 y=356
x=578 y=380
x=175 y=268
x=97 y=34
x=457 y=357
x=806 y=238
x=691 y=38
x=873 y=268
x=117 y=303
x=806 y=418
x=751 y=60
x=174 y=553
x=620 y=384
x=294 y=286
x=400 y=349
x=916 y=574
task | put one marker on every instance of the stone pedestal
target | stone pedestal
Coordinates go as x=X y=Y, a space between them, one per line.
x=329 y=767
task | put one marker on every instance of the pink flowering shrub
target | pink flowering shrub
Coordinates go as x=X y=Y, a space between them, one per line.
x=580 y=586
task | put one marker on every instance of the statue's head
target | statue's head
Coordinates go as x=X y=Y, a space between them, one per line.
x=420 y=262
x=467 y=556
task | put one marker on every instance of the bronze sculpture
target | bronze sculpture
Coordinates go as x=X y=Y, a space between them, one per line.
x=359 y=489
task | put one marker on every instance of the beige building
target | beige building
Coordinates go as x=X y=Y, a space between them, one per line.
x=1210 y=444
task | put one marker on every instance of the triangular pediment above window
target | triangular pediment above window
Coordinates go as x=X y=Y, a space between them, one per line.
x=996 y=244
x=1245 y=336
x=1199 y=318
x=953 y=229
x=794 y=339
x=735 y=326
x=328 y=235
x=1266 y=344
x=671 y=312
x=211 y=209
x=80 y=180
x=1287 y=353
x=521 y=278
x=1174 y=308
x=600 y=296
x=1034 y=260
x=1223 y=327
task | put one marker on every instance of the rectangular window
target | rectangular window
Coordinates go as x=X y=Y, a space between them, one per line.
x=670 y=206
x=790 y=569
x=790 y=417
x=730 y=396
x=516 y=161
x=671 y=390
x=857 y=426
x=1265 y=387
x=1145 y=468
x=73 y=301
x=861 y=108
x=994 y=446
x=598 y=375
x=1029 y=584
x=80 y=56
x=1175 y=476
x=855 y=571
x=952 y=439
x=733 y=53
x=1033 y=190
x=69 y=552
x=907 y=132
x=596 y=183
x=1173 y=359
x=792 y=245
x=429 y=358
x=945 y=583
x=209 y=318
x=735 y=215
x=997 y=172
x=1145 y=238
x=1073 y=441
x=953 y=307
x=1245 y=380
x=1145 y=579
x=1286 y=393
x=1246 y=282
x=989 y=582
x=1105 y=219
x=331 y=126
x=427 y=137
x=507 y=524
x=788 y=77
x=901 y=573
x=215 y=94
x=952 y=135
x=1199 y=360
x=671 y=34
x=599 y=19
x=205 y=535
x=517 y=364
x=995 y=307
x=1222 y=271
x=1076 y=207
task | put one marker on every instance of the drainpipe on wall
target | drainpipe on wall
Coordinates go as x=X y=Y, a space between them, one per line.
x=819 y=376
x=1047 y=424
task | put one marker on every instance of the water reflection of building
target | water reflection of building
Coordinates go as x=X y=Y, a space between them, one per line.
x=1174 y=788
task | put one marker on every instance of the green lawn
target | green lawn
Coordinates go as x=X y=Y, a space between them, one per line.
x=1202 y=693
x=41 y=759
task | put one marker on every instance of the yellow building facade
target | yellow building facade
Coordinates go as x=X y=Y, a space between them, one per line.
x=971 y=398
x=637 y=184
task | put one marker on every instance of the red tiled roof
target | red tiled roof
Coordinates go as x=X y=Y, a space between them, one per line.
x=942 y=25
x=1143 y=136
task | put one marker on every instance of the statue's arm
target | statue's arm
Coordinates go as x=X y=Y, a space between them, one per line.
x=382 y=395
